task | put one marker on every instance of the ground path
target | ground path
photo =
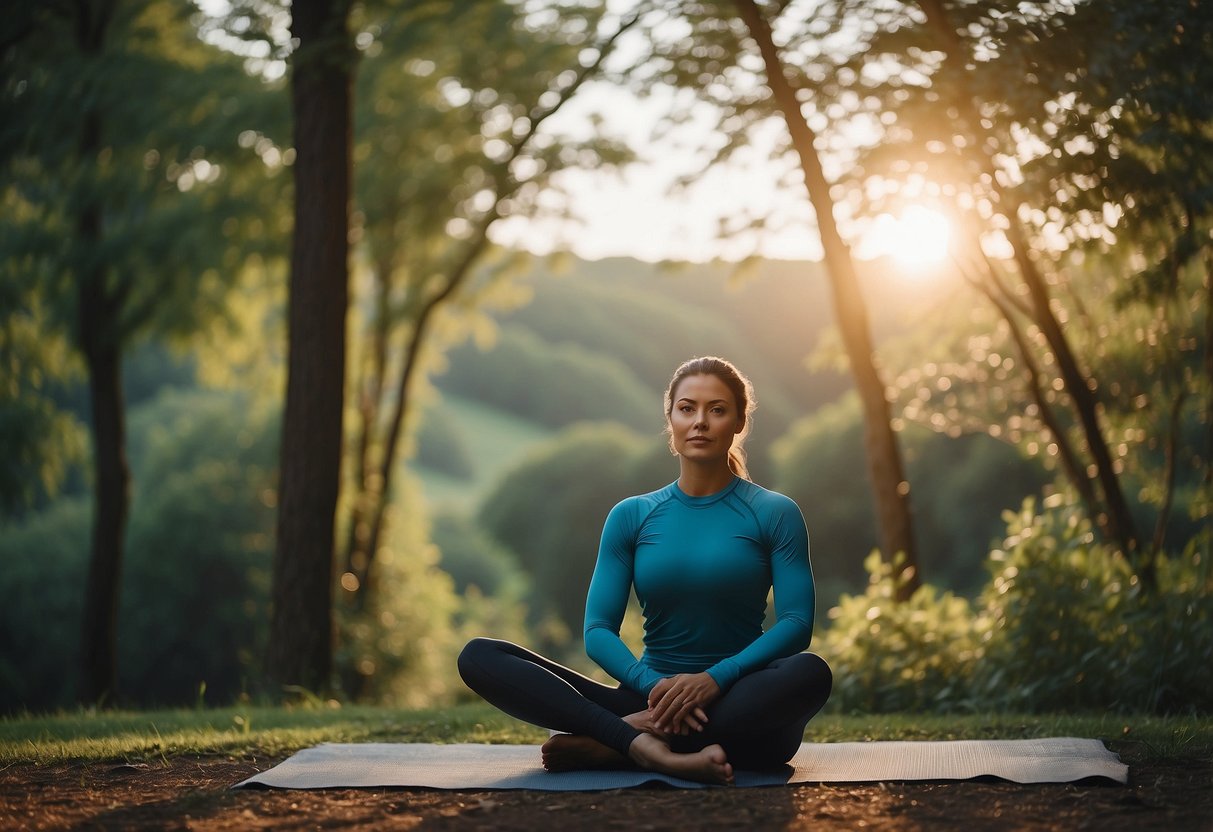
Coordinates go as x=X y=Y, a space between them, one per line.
x=192 y=792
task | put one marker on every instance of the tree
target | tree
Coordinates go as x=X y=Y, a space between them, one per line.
x=1118 y=520
x=425 y=95
x=718 y=61
x=121 y=153
x=886 y=471
x=1054 y=136
x=301 y=637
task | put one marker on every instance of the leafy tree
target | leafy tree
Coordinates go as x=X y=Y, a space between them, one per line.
x=1044 y=126
x=195 y=586
x=718 y=60
x=125 y=188
x=427 y=95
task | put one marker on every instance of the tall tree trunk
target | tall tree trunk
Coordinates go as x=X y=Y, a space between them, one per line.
x=886 y=472
x=111 y=489
x=100 y=341
x=301 y=641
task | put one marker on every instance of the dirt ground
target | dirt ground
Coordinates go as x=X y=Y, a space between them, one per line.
x=195 y=793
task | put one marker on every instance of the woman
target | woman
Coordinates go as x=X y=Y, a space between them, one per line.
x=712 y=690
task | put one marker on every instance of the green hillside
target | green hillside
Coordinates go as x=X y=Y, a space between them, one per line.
x=493 y=439
x=601 y=338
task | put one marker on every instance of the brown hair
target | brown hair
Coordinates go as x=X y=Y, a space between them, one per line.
x=743 y=395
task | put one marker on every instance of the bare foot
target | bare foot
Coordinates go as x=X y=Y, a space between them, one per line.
x=708 y=765
x=569 y=752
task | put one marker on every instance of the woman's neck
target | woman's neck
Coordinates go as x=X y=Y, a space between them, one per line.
x=701 y=481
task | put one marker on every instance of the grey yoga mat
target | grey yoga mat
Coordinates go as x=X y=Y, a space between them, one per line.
x=491 y=767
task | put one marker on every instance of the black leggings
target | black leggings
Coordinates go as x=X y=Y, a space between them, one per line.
x=759 y=721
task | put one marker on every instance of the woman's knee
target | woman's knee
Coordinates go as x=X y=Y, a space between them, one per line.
x=474 y=655
x=813 y=673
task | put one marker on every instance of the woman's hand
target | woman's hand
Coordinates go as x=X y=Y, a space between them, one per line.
x=677 y=703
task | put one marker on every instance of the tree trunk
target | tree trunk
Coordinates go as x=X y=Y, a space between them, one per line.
x=885 y=470
x=111 y=493
x=301 y=642
x=996 y=293
x=100 y=341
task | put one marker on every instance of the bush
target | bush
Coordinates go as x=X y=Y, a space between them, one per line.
x=1062 y=625
x=888 y=656
x=1073 y=629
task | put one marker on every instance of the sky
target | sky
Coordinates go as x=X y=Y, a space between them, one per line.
x=635 y=212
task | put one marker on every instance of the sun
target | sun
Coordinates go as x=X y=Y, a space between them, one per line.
x=918 y=238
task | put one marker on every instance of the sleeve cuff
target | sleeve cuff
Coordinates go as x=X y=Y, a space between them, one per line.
x=724 y=674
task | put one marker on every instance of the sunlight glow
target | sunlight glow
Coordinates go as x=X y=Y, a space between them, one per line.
x=918 y=238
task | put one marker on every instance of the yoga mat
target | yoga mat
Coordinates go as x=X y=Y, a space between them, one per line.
x=492 y=767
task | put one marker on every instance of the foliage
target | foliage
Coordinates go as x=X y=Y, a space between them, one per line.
x=43 y=556
x=475 y=560
x=1062 y=625
x=915 y=655
x=39 y=440
x=424 y=92
x=1154 y=392
x=402 y=645
x=961 y=484
x=128 y=196
x=1073 y=630
x=1067 y=142
x=195 y=597
x=180 y=185
x=195 y=591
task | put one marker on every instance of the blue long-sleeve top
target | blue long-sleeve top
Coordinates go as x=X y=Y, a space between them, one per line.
x=702 y=568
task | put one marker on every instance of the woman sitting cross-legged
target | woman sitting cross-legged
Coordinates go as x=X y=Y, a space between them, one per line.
x=712 y=690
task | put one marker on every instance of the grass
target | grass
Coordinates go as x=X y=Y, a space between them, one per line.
x=272 y=731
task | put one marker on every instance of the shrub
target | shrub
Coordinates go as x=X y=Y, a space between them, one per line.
x=913 y=656
x=1062 y=625
x=1073 y=629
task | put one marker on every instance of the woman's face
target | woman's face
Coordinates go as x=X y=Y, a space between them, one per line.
x=703 y=419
